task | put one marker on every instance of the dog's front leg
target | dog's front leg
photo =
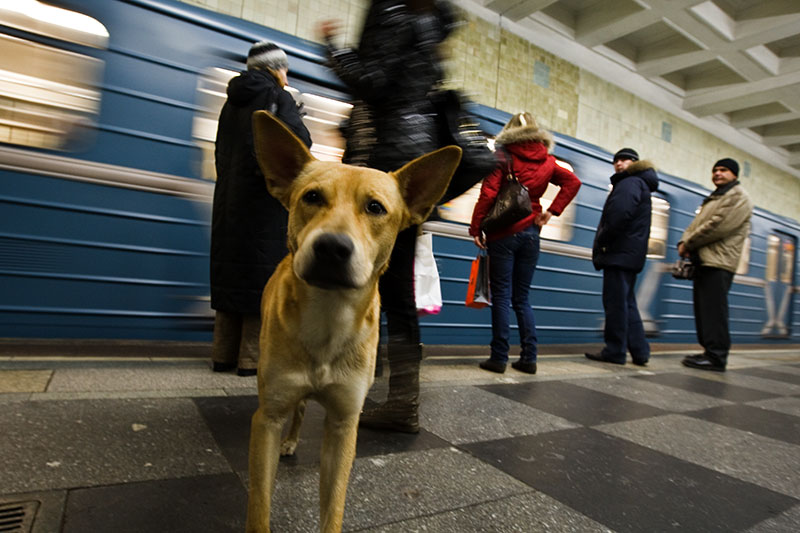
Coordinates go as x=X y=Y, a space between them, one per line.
x=265 y=438
x=338 y=452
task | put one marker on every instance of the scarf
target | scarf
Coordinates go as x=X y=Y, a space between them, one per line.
x=719 y=191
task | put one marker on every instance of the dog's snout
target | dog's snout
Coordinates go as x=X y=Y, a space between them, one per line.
x=330 y=264
x=334 y=247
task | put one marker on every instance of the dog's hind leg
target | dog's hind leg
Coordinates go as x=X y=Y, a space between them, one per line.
x=289 y=444
x=338 y=452
x=265 y=438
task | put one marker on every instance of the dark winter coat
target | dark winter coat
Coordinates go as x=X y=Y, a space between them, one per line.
x=535 y=168
x=624 y=228
x=248 y=225
x=394 y=68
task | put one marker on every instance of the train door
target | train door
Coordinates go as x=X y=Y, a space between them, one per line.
x=322 y=116
x=779 y=286
x=650 y=279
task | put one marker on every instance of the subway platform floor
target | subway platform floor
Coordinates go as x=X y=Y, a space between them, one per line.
x=158 y=444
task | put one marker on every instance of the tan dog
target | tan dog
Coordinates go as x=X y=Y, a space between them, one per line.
x=320 y=310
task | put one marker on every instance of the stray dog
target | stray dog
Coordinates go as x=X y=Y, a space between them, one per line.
x=320 y=310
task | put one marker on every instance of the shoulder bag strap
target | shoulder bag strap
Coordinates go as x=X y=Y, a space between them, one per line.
x=510 y=174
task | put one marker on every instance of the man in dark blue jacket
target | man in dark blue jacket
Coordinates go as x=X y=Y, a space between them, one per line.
x=620 y=249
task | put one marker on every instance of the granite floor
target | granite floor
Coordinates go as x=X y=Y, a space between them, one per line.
x=153 y=444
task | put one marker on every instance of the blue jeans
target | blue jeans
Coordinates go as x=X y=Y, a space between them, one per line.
x=512 y=261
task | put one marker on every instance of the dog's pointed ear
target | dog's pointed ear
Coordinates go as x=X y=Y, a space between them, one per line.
x=424 y=180
x=280 y=154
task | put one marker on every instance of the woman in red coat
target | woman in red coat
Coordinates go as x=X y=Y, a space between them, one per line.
x=514 y=251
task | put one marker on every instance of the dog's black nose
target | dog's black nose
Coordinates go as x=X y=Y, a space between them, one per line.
x=334 y=247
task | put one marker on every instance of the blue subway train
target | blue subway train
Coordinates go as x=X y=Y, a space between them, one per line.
x=108 y=115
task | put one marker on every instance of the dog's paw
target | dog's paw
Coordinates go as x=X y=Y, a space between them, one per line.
x=288 y=447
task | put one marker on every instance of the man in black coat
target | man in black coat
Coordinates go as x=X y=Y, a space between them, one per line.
x=248 y=225
x=620 y=250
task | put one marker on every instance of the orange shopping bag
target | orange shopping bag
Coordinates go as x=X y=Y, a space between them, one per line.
x=478 y=289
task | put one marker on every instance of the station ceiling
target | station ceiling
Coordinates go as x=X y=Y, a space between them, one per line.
x=731 y=67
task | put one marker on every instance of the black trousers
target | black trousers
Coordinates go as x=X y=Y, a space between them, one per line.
x=396 y=288
x=710 y=292
x=624 y=330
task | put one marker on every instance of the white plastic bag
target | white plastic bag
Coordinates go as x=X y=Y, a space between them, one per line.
x=427 y=292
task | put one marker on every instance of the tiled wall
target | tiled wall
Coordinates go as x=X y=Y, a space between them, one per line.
x=613 y=118
x=501 y=70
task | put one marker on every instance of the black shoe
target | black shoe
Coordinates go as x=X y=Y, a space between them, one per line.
x=599 y=357
x=640 y=362
x=246 y=372
x=493 y=366
x=529 y=367
x=222 y=367
x=702 y=363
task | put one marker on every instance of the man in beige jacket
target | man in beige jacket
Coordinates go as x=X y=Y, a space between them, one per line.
x=714 y=240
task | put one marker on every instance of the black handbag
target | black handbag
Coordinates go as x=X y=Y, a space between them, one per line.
x=455 y=125
x=683 y=269
x=513 y=203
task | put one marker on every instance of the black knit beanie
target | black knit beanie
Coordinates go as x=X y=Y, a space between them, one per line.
x=626 y=153
x=730 y=164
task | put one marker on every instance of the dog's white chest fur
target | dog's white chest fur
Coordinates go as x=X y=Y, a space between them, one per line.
x=330 y=326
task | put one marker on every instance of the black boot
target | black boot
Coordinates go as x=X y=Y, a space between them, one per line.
x=399 y=413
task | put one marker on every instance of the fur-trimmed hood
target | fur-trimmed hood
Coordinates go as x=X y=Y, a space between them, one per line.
x=638 y=166
x=525 y=134
x=643 y=168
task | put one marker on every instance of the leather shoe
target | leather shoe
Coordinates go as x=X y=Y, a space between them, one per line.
x=246 y=372
x=493 y=366
x=702 y=363
x=222 y=367
x=640 y=362
x=529 y=367
x=599 y=357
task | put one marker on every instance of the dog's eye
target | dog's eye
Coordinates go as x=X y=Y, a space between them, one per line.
x=374 y=207
x=314 y=197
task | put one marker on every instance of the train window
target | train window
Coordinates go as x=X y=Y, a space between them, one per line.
x=744 y=260
x=459 y=209
x=657 y=244
x=780 y=259
x=48 y=95
x=558 y=229
x=322 y=118
x=211 y=89
x=773 y=249
x=787 y=259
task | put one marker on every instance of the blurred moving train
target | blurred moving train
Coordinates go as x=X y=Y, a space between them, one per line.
x=108 y=114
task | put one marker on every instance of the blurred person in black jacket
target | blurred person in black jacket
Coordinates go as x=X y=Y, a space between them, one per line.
x=390 y=76
x=248 y=225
